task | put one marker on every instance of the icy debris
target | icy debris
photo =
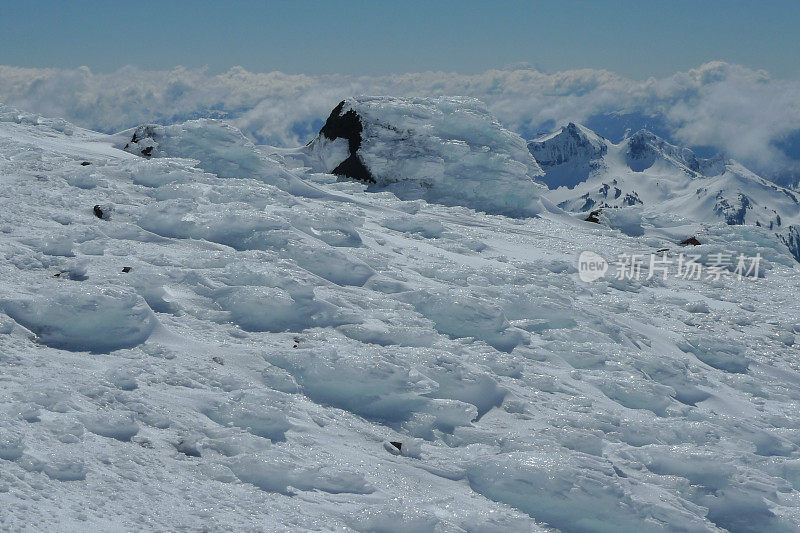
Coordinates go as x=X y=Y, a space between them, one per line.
x=85 y=180
x=409 y=447
x=603 y=415
x=697 y=307
x=428 y=228
x=57 y=245
x=578 y=492
x=460 y=316
x=91 y=319
x=275 y=474
x=75 y=270
x=640 y=394
x=11 y=446
x=627 y=220
x=234 y=225
x=117 y=425
x=374 y=388
x=382 y=334
x=188 y=447
x=217 y=146
x=65 y=469
x=389 y=518
x=255 y=413
x=718 y=353
x=446 y=150
x=17 y=116
x=330 y=264
x=275 y=309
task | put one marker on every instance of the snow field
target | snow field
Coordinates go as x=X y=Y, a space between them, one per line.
x=266 y=346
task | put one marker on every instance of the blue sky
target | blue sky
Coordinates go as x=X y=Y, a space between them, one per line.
x=636 y=39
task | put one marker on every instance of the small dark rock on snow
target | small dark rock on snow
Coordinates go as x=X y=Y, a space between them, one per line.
x=103 y=211
x=594 y=216
x=691 y=241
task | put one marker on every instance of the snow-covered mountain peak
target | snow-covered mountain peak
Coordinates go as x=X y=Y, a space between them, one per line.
x=643 y=149
x=448 y=150
x=569 y=155
x=650 y=174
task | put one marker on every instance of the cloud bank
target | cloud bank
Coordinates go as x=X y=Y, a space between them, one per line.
x=744 y=113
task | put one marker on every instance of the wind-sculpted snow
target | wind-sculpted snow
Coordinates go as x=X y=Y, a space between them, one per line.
x=228 y=353
x=84 y=320
x=445 y=150
x=216 y=146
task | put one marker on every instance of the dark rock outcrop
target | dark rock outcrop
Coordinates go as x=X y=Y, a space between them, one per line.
x=347 y=126
x=145 y=140
x=594 y=216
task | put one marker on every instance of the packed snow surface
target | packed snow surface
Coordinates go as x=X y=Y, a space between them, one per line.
x=237 y=345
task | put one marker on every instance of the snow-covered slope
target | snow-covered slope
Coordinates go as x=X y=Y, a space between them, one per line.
x=221 y=353
x=447 y=150
x=569 y=155
x=658 y=179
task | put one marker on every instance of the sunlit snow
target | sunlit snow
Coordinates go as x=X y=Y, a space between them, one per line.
x=277 y=327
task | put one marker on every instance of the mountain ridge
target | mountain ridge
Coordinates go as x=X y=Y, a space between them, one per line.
x=646 y=172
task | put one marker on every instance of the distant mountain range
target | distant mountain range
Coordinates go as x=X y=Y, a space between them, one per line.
x=587 y=173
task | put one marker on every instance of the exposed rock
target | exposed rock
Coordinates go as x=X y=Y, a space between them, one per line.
x=99 y=213
x=594 y=216
x=347 y=126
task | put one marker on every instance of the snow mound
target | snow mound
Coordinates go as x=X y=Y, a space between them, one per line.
x=571 y=492
x=445 y=150
x=11 y=114
x=217 y=146
x=90 y=320
x=464 y=316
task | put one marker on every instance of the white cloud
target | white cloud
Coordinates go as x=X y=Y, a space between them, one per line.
x=736 y=109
